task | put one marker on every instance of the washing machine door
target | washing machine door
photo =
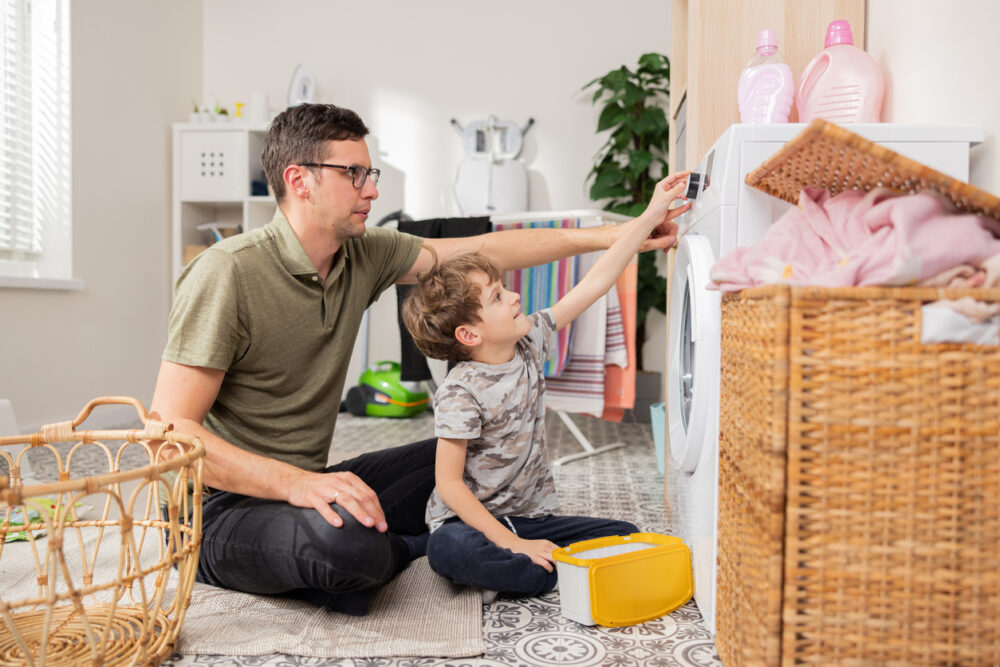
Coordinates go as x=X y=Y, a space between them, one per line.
x=693 y=382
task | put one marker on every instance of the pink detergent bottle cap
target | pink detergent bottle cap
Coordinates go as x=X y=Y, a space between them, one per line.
x=766 y=43
x=839 y=32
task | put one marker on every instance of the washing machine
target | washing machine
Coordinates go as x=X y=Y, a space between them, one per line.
x=727 y=214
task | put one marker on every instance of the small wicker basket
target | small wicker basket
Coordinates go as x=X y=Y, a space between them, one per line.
x=859 y=478
x=90 y=580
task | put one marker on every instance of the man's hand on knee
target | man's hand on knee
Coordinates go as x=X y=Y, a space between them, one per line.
x=321 y=490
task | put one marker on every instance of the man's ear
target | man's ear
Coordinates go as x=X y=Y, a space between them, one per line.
x=468 y=336
x=295 y=181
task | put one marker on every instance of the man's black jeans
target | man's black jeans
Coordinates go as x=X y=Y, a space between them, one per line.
x=270 y=547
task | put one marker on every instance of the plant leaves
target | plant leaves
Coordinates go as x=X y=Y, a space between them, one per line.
x=611 y=116
x=633 y=158
x=654 y=62
x=609 y=183
x=655 y=117
x=639 y=161
x=633 y=95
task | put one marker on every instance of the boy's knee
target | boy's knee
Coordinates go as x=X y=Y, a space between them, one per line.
x=626 y=528
x=444 y=548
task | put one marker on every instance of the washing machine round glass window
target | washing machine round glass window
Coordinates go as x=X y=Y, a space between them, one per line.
x=693 y=390
x=687 y=355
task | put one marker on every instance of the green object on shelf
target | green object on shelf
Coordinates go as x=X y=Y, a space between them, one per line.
x=380 y=393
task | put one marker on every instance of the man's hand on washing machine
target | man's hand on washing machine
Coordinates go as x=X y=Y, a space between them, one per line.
x=667 y=191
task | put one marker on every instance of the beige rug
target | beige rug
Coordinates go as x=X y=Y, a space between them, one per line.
x=418 y=614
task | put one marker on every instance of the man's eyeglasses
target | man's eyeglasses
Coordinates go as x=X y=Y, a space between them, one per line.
x=358 y=174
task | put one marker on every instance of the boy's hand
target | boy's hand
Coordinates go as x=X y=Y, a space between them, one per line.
x=664 y=234
x=539 y=551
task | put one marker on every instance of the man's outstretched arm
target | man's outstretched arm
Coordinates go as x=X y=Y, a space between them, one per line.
x=520 y=248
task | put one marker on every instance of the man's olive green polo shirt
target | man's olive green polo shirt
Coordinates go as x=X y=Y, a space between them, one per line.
x=253 y=306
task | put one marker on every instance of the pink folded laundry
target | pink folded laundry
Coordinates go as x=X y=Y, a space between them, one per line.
x=861 y=238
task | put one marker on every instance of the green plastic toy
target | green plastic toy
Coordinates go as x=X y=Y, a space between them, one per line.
x=380 y=393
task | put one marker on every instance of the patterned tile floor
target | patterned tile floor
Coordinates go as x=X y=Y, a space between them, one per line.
x=622 y=483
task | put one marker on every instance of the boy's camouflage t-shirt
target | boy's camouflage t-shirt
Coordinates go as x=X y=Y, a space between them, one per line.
x=500 y=410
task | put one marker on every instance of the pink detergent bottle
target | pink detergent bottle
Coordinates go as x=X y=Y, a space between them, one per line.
x=766 y=88
x=842 y=84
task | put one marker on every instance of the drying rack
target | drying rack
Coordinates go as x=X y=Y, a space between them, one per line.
x=828 y=156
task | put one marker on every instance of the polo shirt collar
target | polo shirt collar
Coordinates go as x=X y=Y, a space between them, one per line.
x=290 y=251
x=293 y=256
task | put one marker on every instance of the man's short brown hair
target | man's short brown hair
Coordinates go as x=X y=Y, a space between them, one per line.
x=299 y=134
x=444 y=299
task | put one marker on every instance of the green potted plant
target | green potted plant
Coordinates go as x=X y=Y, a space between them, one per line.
x=633 y=159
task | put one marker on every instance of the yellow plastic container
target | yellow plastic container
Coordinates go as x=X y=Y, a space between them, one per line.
x=623 y=579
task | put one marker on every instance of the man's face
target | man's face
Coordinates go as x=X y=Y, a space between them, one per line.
x=342 y=208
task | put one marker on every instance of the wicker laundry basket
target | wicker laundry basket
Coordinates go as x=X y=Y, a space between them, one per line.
x=90 y=580
x=859 y=482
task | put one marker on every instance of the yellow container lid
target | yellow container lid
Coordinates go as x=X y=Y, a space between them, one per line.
x=638 y=584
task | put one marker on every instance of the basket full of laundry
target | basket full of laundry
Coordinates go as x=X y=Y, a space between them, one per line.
x=859 y=454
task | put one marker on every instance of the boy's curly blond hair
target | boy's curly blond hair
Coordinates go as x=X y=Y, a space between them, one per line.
x=444 y=299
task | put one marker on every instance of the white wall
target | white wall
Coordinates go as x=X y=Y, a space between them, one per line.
x=409 y=67
x=939 y=61
x=135 y=67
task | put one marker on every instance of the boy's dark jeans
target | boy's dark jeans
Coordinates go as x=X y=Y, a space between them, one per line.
x=464 y=555
x=270 y=547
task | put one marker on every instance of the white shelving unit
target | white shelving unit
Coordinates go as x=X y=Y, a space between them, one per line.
x=214 y=165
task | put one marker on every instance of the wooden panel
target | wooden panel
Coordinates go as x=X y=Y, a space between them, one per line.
x=678 y=54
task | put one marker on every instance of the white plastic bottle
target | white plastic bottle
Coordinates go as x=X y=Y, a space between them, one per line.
x=766 y=89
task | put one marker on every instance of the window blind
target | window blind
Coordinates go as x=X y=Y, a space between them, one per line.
x=34 y=130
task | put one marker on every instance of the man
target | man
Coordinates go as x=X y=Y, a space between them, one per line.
x=259 y=341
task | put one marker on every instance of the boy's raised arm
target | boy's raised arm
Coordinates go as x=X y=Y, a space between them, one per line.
x=606 y=270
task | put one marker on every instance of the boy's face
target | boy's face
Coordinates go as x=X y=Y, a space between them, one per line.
x=502 y=322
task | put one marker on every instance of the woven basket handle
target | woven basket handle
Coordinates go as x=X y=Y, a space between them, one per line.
x=65 y=431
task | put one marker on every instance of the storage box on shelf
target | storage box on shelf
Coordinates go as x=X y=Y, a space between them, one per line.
x=215 y=166
x=858 y=467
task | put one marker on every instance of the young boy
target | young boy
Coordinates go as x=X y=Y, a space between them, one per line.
x=491 y=515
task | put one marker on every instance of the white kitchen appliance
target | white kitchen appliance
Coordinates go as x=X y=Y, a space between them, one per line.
x=727 y=214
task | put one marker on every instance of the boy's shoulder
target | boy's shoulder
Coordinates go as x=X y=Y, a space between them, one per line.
x=542 y=321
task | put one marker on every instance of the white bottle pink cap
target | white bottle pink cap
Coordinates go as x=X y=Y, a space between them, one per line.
x=766 y=43
x=839 y=32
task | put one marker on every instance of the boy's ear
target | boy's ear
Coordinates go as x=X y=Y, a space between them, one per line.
x=468 y=336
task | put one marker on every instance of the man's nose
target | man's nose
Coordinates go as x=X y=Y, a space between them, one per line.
x=369 y=190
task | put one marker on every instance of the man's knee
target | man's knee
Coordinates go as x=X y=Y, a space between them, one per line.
x=352 y=557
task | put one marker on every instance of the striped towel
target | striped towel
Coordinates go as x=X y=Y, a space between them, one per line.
x=619 y=382
x=541 y=286
x=580 y=387
x=615 y=350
